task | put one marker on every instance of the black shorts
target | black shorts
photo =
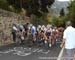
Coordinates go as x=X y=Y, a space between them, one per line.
x=48 y=34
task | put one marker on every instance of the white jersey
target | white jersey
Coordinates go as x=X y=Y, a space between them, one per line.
x=14 y=28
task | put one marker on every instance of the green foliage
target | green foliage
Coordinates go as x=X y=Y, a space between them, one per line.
x=71 y=14
x=55 y=21
x=31 y=6
x=11 y=8
x=59 y=21
x=62 y=12
x=42 y=20
x=4 y=4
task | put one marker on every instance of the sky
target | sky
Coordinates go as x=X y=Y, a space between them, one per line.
x=63 y=0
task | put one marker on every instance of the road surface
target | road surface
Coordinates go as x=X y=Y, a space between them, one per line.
x=25 y=52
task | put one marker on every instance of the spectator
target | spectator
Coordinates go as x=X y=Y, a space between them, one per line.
x=69 y=40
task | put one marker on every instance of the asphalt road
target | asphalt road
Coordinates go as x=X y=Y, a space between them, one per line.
x=26 y=52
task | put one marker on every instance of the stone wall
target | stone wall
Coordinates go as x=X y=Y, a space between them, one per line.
x=7 y=19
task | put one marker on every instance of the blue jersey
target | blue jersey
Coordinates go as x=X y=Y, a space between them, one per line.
x=33 y=30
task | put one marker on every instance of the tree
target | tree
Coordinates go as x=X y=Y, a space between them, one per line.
x=71 y=14
x=62 y=12
x=32 y=6
x=3 y=4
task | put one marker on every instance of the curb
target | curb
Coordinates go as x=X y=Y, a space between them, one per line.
x=7 y=46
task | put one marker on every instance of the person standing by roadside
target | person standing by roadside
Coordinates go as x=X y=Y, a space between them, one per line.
x=69 y=41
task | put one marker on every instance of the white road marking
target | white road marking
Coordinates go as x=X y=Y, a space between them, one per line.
x=20 y=51
x=60 y=54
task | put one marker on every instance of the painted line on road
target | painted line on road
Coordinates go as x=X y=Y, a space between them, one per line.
x=60 y=54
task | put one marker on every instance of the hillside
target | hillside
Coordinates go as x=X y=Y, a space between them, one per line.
x=58 y=5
